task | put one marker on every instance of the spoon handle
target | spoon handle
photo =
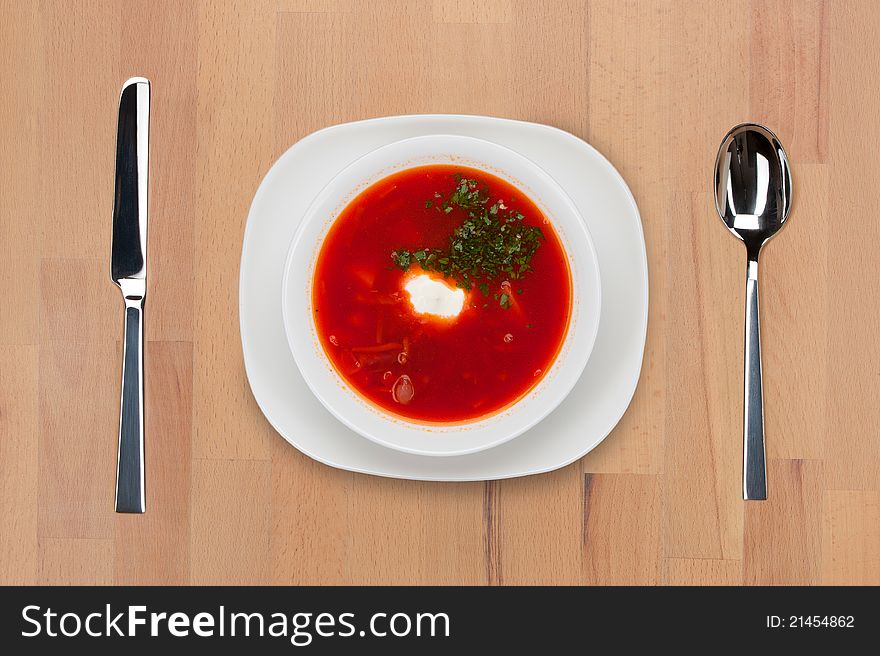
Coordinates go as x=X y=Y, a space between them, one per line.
x=754 y=467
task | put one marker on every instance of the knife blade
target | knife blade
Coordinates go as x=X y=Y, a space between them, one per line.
x=128 y=269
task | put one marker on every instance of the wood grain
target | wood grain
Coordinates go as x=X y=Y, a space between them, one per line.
x=22 y=39
x=702 y=571
x=619 y=552
x=230 y=532
x=783 y=536
x=619 y=60
x=309 y=542
x=790 y=43
x=799 y=425
x=852 y=449
x=77 y=439
x=235 y=142
x=653 y=84
x=702 y=506
x=533 y=542
x=851 y=540
x=75 y=561
x=19 y=464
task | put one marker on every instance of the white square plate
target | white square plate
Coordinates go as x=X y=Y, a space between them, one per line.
x=596 y=403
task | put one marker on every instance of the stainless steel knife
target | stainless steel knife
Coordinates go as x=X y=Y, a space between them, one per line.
x=128 y=269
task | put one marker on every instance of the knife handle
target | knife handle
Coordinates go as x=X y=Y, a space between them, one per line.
x=130 y=493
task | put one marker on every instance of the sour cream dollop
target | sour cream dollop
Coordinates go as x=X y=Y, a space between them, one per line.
x=431 y=296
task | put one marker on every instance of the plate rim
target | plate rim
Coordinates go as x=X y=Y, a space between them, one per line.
x=273 y=171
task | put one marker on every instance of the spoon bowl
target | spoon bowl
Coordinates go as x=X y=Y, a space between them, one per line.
x=752 y=184
x=753 y=199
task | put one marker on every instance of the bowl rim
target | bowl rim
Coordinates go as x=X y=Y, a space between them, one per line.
x=559 y=392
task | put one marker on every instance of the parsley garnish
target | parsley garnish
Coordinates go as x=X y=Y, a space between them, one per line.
x=401 y=259
x=491 y=242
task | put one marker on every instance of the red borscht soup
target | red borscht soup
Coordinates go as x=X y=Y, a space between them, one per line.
x=442 y=294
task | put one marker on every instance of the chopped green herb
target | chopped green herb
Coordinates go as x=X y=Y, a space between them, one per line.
x=427 y=204
x=504 y=301
x=519 y=291
x=401 y=259
x=468 y=195
x=484 y=288
x=490 y=242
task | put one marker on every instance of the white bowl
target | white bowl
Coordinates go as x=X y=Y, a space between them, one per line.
x=396 y=432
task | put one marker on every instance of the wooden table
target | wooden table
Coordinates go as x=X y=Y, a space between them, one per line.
x=653 y=85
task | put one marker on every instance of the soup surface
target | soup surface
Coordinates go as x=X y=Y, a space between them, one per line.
x=442 y=294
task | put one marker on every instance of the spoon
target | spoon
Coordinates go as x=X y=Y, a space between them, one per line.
x=753 y=198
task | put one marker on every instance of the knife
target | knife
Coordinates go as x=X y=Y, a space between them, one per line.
x=128 y=269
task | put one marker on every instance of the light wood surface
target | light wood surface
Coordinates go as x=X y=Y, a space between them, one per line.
x=653 y=85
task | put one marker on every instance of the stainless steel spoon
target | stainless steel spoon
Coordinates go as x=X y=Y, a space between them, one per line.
x=753 y=198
